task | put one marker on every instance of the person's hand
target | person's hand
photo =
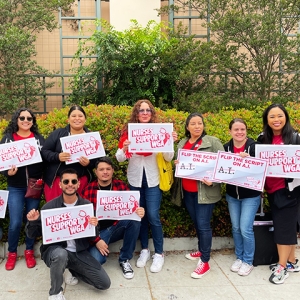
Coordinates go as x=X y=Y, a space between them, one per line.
x=174 y=135
x=84 y=161
x=93 y=221
x=12 y=171
x=140 y=211
x=207 y=182
x=102 y=247
x=176 y=162
x=33 y=215
x=244 y=154
x=125 y=145
x=64 y=156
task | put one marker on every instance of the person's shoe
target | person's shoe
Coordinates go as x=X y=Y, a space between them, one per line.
x=193 y=255
x=11 y=261
x=127 y=269
x=202 y=269
x=59 y=296
x=236 y=265
x=272 y=267
x=279 y=275
x=292 y=267
x=158 y=262
x=245 y=269
x=29 y=257
x=72 y=280
x=143 y=258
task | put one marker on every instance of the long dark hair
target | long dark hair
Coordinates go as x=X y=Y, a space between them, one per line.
x=287 y=130
x=188 y=119
x=13 y=127
x=76 y=107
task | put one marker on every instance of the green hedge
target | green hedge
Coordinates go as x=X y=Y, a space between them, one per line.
x=109 y=120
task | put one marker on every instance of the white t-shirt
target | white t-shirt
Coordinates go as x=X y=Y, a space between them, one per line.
x=71 y=245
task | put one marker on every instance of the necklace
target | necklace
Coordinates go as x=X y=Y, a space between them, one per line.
x=107 y=188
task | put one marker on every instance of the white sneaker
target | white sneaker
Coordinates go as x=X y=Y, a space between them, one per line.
x=236 y=265
x=158 y=262
x=59 y=296
x=245 y=269
x=69 y=278
x=143 y=258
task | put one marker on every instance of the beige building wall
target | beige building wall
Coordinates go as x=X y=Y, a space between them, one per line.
x=48 y=43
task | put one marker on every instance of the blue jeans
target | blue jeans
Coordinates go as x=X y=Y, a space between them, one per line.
x=242 y=214
x=201 y=215
x=150 y=199
x=128 y=230
x=18 y=207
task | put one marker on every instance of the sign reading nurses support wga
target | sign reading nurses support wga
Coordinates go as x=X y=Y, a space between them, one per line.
x=67 y=223
x=117 y=205
x=19 y=153
x=284 y=160
x=78 y=145
x=195 y=164
x=248 y=172
x=3 y=203
x=150 y=137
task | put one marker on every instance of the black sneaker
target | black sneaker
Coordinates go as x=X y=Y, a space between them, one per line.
x=127 y=269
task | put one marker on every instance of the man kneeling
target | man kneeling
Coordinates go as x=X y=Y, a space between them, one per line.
x=112 y=230
x=71 y=254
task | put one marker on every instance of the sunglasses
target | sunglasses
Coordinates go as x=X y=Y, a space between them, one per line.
x=29 y=119
x=145 y=111
x=73 y=181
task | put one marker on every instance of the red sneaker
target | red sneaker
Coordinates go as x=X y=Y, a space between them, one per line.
x=202 y=269
x=29 y=257
x=193 y=255
x=11 y=261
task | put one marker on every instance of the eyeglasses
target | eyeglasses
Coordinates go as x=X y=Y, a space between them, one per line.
x=73 y=181
x=145 y=111
x=29 y=119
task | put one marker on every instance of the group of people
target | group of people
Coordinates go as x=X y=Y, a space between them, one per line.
x=65 y=186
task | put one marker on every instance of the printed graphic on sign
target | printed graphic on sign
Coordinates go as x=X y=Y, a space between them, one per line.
x=248 y=172
x=19 y=153
x=195 y=165
x=3 y=203
x=283 y=160
x=150 y=137
x=67 y=223
x=88 y=145
x=117 y=205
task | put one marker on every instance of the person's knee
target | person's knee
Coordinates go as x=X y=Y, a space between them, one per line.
x=59 y=255
x=103 y=284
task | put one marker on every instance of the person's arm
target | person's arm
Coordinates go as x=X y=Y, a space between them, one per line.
x=33 y=227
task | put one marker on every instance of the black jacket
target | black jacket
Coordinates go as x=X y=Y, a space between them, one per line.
x=236 y=191
x=34 y=228
x=34 y=171
x=50 y=153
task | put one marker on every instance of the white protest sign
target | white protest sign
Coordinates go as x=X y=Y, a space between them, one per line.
x=284 y=160
x=248 y=172
x=19 y=153
x=117 y=205
x=150 y=137
x=88 y=145
x=195 y=164
x=67 y=223
x=3 y=203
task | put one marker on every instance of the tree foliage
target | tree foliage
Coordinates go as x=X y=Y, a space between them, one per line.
x=151 y=62
x=256 y=44
x=20 y=20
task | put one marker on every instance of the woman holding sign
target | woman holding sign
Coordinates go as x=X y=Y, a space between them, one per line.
x=143 y=176
x=277 y=130
x=55 y=158
x=243 y=203
x=22 y=126
x=200 y=196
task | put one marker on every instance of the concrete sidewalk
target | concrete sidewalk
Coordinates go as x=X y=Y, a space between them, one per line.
x=172 y=283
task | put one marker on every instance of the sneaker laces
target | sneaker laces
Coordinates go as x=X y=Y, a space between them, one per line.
x=200 y=266
x=157 y=259
x=126 y=266
x=143 y=254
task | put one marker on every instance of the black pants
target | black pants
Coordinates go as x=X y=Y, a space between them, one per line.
x=82 y=265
